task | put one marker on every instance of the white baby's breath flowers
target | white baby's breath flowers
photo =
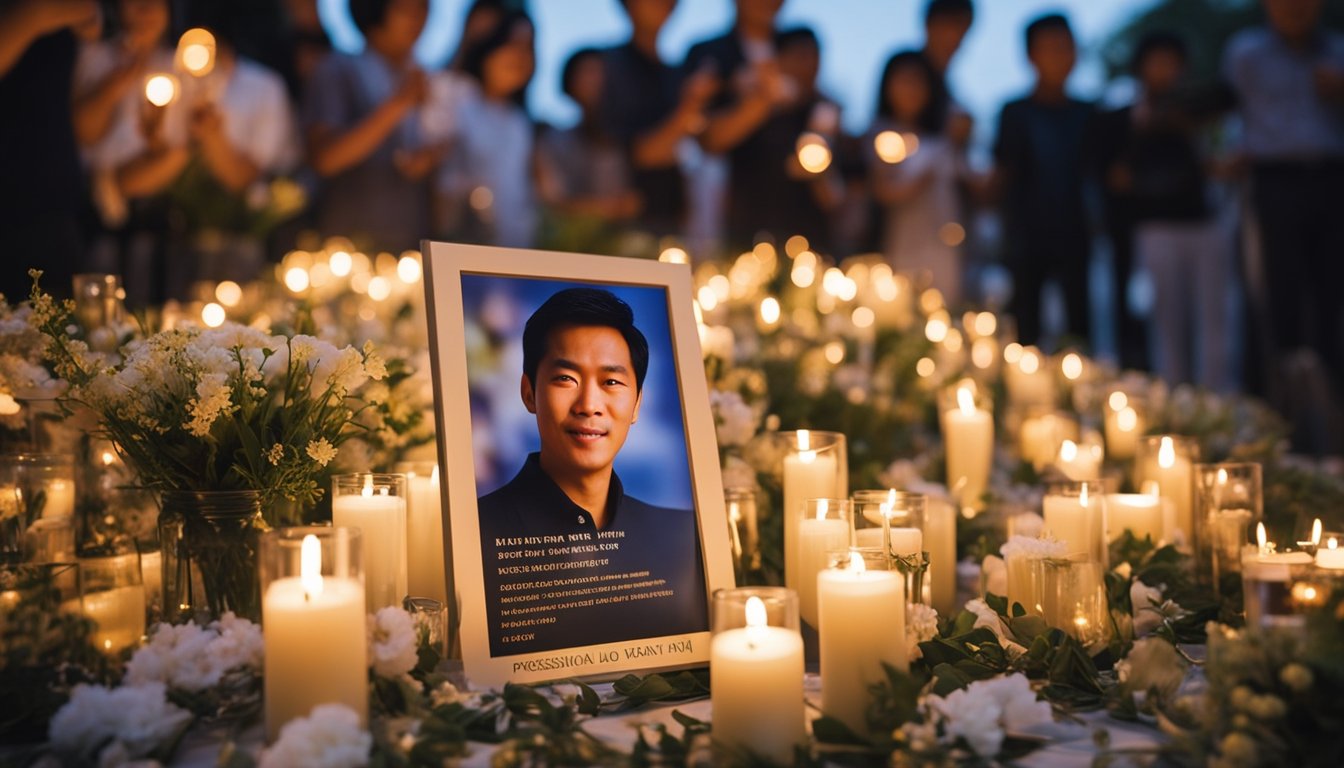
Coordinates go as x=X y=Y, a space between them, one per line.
x=321 y=450
x=139 y=718
x=735 y=422
x=330 y=737
x=276 y=454
x=985 y=711
x=392 y=642
x=189 y=657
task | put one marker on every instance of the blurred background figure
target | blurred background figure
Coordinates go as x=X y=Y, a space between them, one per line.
x=652 y=109
x=491 y=162
x=41 y=186
x=914 y=173
x=363 y=134
x=1158 y=179
x=583 y=177
x=1042 y=162
x=1288 y=77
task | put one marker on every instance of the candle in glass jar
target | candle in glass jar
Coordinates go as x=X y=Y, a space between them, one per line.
x=756 y=687
x=1122 y=426
x=118 y=613
x=940 y=541
x=808 y=474
x=817 y=536
x=1139 y=513
x=316 y=646
x=1173 y=475
x=1078 y=520
x=382 y=519
x=425 y=575
x=863 y=627
x=1079 y=462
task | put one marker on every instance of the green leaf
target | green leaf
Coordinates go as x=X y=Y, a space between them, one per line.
x=828 y=730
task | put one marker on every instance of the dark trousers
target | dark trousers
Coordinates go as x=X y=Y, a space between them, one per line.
x=1301 y=223
x=1033 y=260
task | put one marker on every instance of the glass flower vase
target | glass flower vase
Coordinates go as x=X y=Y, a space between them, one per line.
x=209 y=542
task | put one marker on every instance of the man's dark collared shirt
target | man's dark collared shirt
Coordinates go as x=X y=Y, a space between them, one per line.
x=553 y=580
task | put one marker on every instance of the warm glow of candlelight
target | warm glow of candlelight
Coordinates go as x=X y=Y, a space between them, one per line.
x=755 y=612
x=212 y=315
x=160 y=89
x=1316 y=532
x=196 y=52
x=856 y=563
x=1118 y=401
x=229 y=293
x=813 y=154
x=1072 y=366
x=1166 y=453
x=310 y=566
x=890 y=147
x=1261 y=538
x=965 y=400
x=770 y=310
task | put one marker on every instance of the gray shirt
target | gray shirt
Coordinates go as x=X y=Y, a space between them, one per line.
x=1285 y=117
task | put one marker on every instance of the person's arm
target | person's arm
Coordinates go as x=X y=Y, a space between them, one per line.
x=330 y=152
x=231 y=167
x=95 y=109
x=657 y=148
x=732 y=125
x=151 y=171
x=23 y=23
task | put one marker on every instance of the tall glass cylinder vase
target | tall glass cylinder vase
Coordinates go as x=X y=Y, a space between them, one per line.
x=816 y=466
x=1229 y=501
x=209 y=543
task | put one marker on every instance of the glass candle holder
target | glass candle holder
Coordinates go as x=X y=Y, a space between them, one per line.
x=826 y=525
x=1042 y=431
x=1124 y=420
x=1266 y=583
x=313 y=608
x=45 y=588
x=1138 y=513
x=862 y=628
x=1229 y=502
x=376 y=505
x=1075 y=514
x=50 y=540
x=98 y=300
x=425 y=570
x=743 y=530
x=431 y=621
x=1164 y=466
x=966 y=416
x=1075 y=598
x=113 y=593
x=1022 y=559
x=37 y=486
x=756 y=672
x=815 y=466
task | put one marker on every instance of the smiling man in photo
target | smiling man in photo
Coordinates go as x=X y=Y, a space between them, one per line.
x=614 y=567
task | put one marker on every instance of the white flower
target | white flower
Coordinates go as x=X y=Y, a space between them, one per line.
x=211 y=402
x=321 y=450
x=1145 y=601
x=373 y=363
x=735 y=422
x=1152 y=664
x=193 y=658
x=276 y=454
x=921 y=624
x=988 y=618
x=985 y=710
x=330 y=737
x=994 y=574
x=392 y=642
x=139 y=717
x=447 y=693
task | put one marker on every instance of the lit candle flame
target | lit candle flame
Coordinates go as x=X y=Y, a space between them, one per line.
x=1072 y=366
x=1166 y=453
x=1029 y=363
x=1082 y=495
x=823 y=507
x=804 y=440
x=367 y=490
x=1316 y=532
x=1118 y=401
x=1068 y=451
x=1127 y=419
x=755 y=612
x=1261 y=538
x=310 y=566
x=856 y=562
x=965 y=401
x=434 y=476
x=196 y=51
x=1331 y=543
x=160 y=89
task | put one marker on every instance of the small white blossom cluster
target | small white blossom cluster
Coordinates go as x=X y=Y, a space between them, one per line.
x=1034 y=548
x=921 y=625
x=735 y=422
x=189 y=657
x=392 y=642
x=1152 y=666
x=979 y=715
x=110 y=726
x=330 y=736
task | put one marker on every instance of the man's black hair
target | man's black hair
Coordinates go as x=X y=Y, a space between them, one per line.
x=474 y=55
x=1046 y=23
x=1158 y=40
x=937 y=8
x=795 y=35
x=571 y=69
x=583 y=306
x=368 y=14
x=934 y=116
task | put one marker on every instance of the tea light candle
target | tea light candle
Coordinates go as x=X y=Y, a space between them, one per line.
x=817 y=537
x=756 y=684
x=968 y=432
x=315 y=640
x=863 y=626
x=382 y=519
x=808 y=474
x=1330 y=556
x=1266 y=577
x=1139 y=513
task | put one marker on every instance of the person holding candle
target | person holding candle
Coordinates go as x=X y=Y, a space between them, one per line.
x=584 y=366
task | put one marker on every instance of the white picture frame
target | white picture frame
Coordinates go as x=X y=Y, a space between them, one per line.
x=487 y=660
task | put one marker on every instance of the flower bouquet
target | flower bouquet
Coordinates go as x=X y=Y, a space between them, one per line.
x=222 y=423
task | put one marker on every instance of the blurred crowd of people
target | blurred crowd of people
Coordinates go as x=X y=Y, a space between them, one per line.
x=735 y=144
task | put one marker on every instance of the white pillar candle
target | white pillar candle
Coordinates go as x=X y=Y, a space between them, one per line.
x=817 y=537
x=1139 y=513
x=1079 y=462
x=1077 y=520
x=1122 y=428
x=60 y=498
x=1040 y=437
x=968 y=434
x=119 y=614
x=1174 y=475
x=1028 y=382
x=868 y=538
x=863 y=626
x=907 y=541
x=382 y=519
x=316 y=643
x=756 y=684
x=940 y=541
x=808 y=474
x=424 y=536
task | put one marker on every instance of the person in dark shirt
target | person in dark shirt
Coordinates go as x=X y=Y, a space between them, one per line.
x=650 y=108
x=1042 y=168
x=762 y=107
x=41 y=186
x=566 y=514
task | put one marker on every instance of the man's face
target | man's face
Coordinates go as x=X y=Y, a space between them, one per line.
x=649 y=14
x=1053 y=54
x=943 y=36
x=585 y=398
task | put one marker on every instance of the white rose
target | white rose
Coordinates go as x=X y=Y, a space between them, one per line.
x=330 y=737
x=392 y=642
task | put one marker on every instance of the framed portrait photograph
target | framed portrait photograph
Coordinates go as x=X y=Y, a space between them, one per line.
x=586 y=525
